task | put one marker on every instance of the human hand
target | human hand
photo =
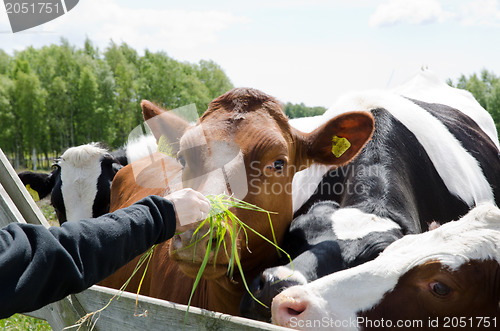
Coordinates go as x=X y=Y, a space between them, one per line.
x=190 y=206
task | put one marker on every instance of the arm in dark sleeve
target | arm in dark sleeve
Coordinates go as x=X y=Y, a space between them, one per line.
x=39 y=265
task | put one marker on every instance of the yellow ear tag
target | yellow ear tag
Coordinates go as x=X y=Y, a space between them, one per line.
x=33 y=193
x=339 y=146
x=164 y=147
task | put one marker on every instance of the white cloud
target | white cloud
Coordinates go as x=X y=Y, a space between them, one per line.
x=467 y=13
x=480 y=12
x=394 y=12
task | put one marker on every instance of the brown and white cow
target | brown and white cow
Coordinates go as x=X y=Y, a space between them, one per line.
x=243 y=138
x=447 y=278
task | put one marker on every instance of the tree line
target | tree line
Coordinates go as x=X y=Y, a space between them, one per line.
x=60 y=96
x=485 y=87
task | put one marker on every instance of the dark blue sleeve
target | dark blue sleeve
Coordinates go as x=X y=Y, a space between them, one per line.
x=39 y=266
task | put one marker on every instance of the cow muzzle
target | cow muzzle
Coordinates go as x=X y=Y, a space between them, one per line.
x=264 y=288
x=289 y=306
x=190 y=248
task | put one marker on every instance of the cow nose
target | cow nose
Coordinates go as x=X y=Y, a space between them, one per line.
x=188 y=239
x=264 y=288
x=289 y=306
x=183 y=239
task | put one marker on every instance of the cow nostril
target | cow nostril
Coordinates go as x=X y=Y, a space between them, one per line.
x=213 y=243
x=176 y=242
x=293 y=312
x=295 y=308
x=262 y=282
x=287 y=308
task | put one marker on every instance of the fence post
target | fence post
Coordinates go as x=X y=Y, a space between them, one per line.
x=18 y=193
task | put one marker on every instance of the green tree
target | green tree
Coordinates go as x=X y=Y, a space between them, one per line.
x=188 y=88
x=90 y=50
x=4 y=62
x=127 y=115
x=158 y=75
x=53 y=66
x=493 y=105
x=485 y=88
x=6 y=116
x=28 y=110
x=58 y=106
x=88 y=123
x=214 y=78
x=106 y=102
x=173 y=84
x=301 y=110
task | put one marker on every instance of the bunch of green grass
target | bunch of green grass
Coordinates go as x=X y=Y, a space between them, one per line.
x=218 y=220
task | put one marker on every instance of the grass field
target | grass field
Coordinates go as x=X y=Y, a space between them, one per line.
x=24 y=323
x=21 y=322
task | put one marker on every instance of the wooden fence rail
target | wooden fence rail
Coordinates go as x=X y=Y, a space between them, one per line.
x=16 y=205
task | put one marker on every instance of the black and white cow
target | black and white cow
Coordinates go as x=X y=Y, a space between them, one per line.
x=81 y=180
x=79 y=184
x=433 y=156
x=443 y=279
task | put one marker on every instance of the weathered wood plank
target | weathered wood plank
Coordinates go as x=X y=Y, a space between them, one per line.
x=8 y=210
x=158 y=314
x=18 y=193
x=62 y=314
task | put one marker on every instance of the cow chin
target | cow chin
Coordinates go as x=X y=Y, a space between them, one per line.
x=211 y=271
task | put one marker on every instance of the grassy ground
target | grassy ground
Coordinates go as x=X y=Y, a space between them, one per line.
x=21 y=322
x=24 y=323
x=48 y=211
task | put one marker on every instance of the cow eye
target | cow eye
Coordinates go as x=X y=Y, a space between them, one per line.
x=440 y=289
x=278 y=164
x=181 y=160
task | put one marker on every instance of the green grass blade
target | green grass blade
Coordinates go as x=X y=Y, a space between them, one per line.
x=198 y=276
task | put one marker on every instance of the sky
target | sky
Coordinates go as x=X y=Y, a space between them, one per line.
x=309 y=51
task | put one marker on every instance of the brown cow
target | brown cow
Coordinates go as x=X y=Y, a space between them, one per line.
x=242 y=145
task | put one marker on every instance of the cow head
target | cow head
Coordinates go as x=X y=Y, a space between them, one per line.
x=79 y=184
x=450 y=272
x=243 y=146
x=317 y=250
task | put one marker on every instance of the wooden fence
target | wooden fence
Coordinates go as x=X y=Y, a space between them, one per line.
x=16 y=205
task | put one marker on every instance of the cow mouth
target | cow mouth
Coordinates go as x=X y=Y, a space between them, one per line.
x=190 y=260
x=211 y=271
x=189 y=251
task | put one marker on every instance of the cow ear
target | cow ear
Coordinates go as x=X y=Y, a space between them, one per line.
x=109 y=160
x=166 y=126
x=116 y=167
x=340 y=139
